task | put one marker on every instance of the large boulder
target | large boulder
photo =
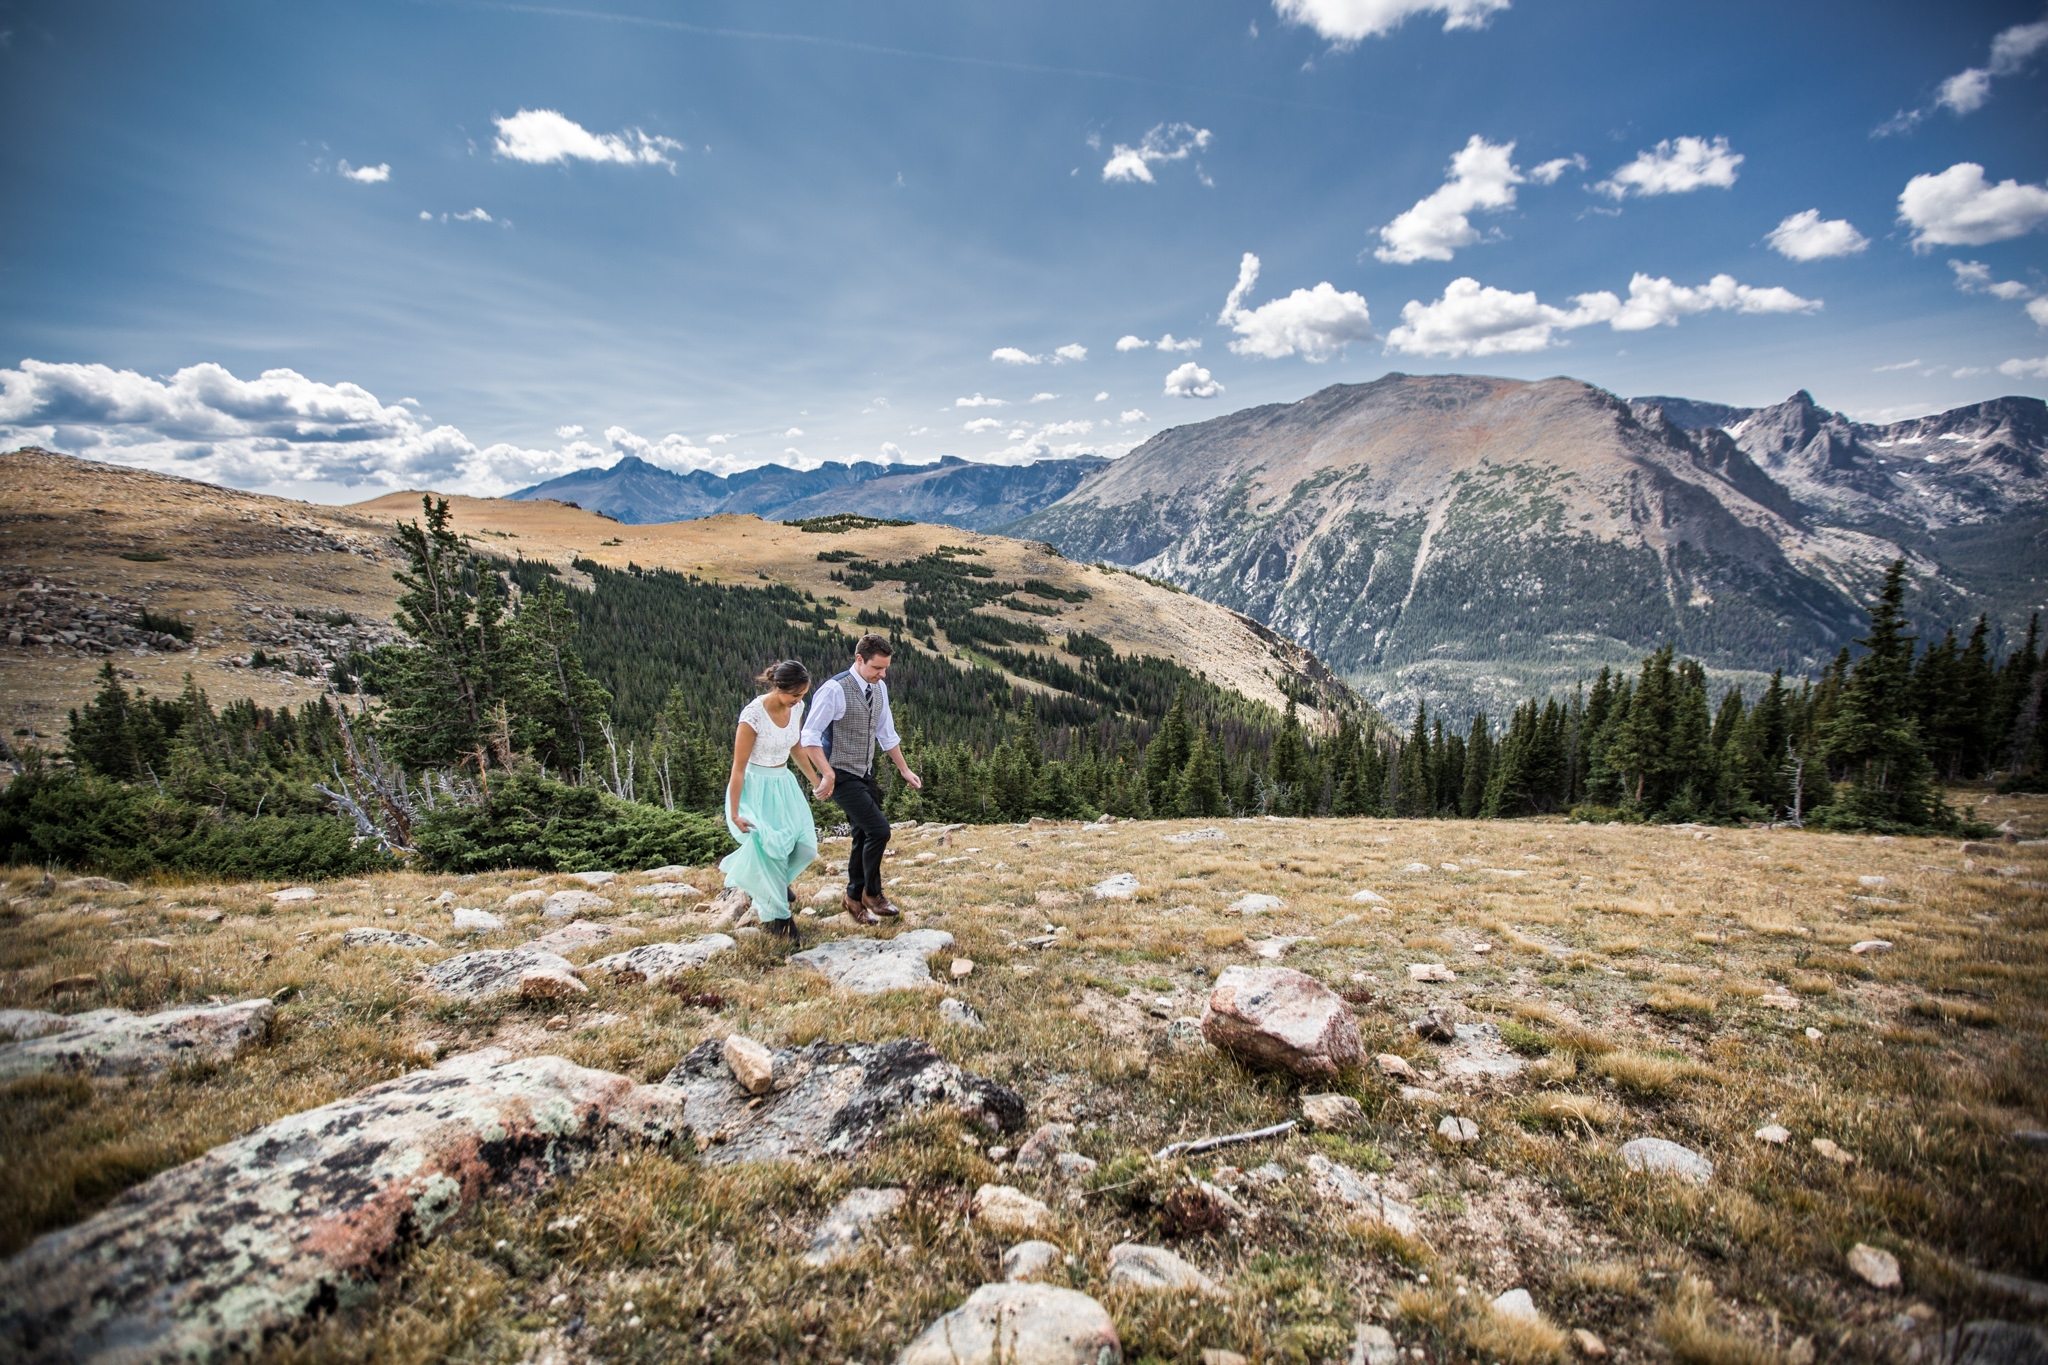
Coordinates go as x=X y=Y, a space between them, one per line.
x=659 y=961
x=569 y=904
x=210 y=1259
x=1020 y=1324
x=1277 y=1017
x=365 y=937
x=117 y=1043
x=871 y=966
x=830 y=1099
x=492 y=972
x=580 y=934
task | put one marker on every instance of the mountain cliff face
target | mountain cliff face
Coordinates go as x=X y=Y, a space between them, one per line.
x=1462 y=537
x=953 y=492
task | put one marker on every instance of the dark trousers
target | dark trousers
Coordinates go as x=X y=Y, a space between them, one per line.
x=861 y=799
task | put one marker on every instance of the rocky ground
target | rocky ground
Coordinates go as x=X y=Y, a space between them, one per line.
x=1521 y=1091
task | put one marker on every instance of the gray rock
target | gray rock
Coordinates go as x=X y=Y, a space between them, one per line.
x=1008 y=1210
x=839 y=1098
x=1875 y=1266
x=386 y=938
x=1659 y=1156
x=1071 y=1164
x=580 y=934
x=1157 y=1270
x=519 y=900
x=492 y=972
x=871 y=966
x=1332 y=1113
x=1031 y=1260
x=569 y=904
x=1020 y=1324
x=960 y=1014
x=1041 y=1147
x=1457 y=1131
x=18 y=1024
x=1434 y=1027
x=102 y=884
x=659 y=961
x=1335 y=1181
x=117 y=1043
x=1516 y=1303
x=594 y=878
x=1374 y=1345
x=840 y=1235
x=1991 y=1341
x=477 y=921
x=669 y=891
x=1277 y=1017
x=665 y=871
x=1255 y=904
x=1121 y=887
x=211 y=1259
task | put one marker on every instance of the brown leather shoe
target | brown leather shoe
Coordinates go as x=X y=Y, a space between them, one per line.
x=855 y=910
x=879 y=904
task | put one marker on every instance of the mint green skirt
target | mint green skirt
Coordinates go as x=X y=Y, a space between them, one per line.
x=782 y=843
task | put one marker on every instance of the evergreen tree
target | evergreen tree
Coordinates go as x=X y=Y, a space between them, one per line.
x=1288 y=763
x=561 y=709
x=1201 y=784
x=1873 y=735
x=1478 y=768
x=439 y=693
x=1168 y=752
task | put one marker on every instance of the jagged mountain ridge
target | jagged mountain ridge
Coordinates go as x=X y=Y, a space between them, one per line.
x=1462 y=537
x=953 y=492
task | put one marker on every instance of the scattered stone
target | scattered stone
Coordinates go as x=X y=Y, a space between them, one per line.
x=960 y=1014
x=493 y=972
x=385 y=938
x=1416 y=1094
x=1482 y=948
x=1430 y=971
x=1448 y=867
x=580 y=934
x=1827 y=1148
x=1873 y=881
x=1196 y=836
x=1814 y=1034
x=1028 y=1261
x=1158 y=1270
x=1374 y=1345
x=1332 y=1113
x=1041 y=1147
x=1216 y=1355
x=519 y=900
x=827 y=895
x=1874 y=1266
x=1072 y=1164
x=477 y=921
x=1660 y=1156
x=1008 y=1210
x=1272 y=948
x=445 y=898
x=211 y=1259
x=840 y=1235
x=1278 y=1017
x=1779 y=999
x=1590 y=1346
x=17 y=1024
x=293 y=894
x=1775 y=1134
x=1990 y=1341
x=1392 y=1065
x=550 y=983
x=569 y=904
x=1020 y=1324
x=593 y=878
x=1871 y=946
x=871 y=966
x=659 y=961
x=1370 y=898
x=1457 y=1131
x=1516 y=1303
x=2031 y=1137
x=109 y=884
x=669 y=891
x=751 y=1063
x=1121 y=887
x=832 y=1099
x=962 y=967
x=1256 y=904
x=1416 y=867
x=1435 y=1027
x=1360 y=1193
x=117 y=1043
x=666 y=871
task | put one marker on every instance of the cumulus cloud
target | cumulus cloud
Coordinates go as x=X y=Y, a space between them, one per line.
x=1472 y=319
x=1317 y=322
x=1482 y=176
x=1974 y=277
x=2038 y=311
x=1043 y=397
x=1072 y=351
x=1011 y=355
x=979 y=402
x=2011 y=51
x=1102 y=397
x=1165 y=142
x=568 y=433
x=981 y=424
x=1348 y=22
x=1901 y=365
x=1806 y=236
x=476 y=215
x=365 y=175
x=1550 y=172
x=1959 y=207
x=544 y=136
x=1131 y=415
x=2026 y=369
x=1675 y=166
x=1191 y=381
x=793 y=431
x=719 y=438
x=1131 y=343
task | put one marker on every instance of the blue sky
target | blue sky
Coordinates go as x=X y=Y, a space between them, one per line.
x=244 y=241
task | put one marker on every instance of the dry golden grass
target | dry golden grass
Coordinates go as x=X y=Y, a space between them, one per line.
x=1909 y=1075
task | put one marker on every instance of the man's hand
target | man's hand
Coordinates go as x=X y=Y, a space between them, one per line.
x=916 y=782
x=823 y=789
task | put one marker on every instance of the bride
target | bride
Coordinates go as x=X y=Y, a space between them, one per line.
x=764 y=807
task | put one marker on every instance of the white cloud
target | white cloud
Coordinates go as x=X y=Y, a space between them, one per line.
x=979 y=402
x=1317 y=322
x=2011 y=51
x=981 y=424
x=426 y=217
x=1043 y=397
x=891 y=448
x=1165 y=142
x=1472 y=319
x=1167 y=343
x=365 y=175
x=793 y=431
x=1346 y=22
x=1072 y=351
x=568 y=433
x=1482 y=176
x=1131 y=343
x=1966 y=91
x=1550 y=172
x=1191 y=381
x=1131 y=415
x=475 y=215
x=1959 y=207
x=1102 y=397
x=1806 y=236
x=1902 y=365
x=543 y=136
x=719 y=438
x=2026 y=369
x=1010 y=355
x=1675 y=166
x=1974 y=277
x=1969 y=371
x=1079 y=427
x=2038 y=311
x=879 y=405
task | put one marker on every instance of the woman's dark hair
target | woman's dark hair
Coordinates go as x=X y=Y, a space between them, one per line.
x=786 y=676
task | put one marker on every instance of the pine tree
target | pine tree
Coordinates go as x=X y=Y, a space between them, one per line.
x=1478 y=768
x=1873 y=735
x=561 y=710
x=1168 y=752
x=1201 y=784
x=1288 y=762
x=439 y=692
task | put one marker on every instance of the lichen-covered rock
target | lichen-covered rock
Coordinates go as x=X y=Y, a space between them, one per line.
x=844 y=1228
x=31 y=1023
x=491 y=972
x=117 y=1043
x=569 y=904
x=361 y=937
x=839 y=1097
x=1363 y=1194
x=1020 y=1324
x=519 y=900
x=1157 y=1270
x=874 y=965
x=1277 y=1017
x=209 y=1259
x=659 y=961
x=1010 y=1211
x=471 y=920
x=1660 y=1156
x=580 y=934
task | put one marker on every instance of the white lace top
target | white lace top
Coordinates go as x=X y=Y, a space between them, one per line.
x=772 y=743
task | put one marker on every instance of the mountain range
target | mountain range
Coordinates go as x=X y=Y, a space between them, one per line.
x=953 y=492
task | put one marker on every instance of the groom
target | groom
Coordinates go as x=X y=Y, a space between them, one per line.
x=848 y=717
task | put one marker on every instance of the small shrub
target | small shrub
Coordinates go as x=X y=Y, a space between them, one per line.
x=1645 y=1073
x=1669 y=1000
x=1523 y=1039
x=1569 y=1111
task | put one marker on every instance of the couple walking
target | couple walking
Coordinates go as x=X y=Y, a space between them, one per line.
x=835 y=747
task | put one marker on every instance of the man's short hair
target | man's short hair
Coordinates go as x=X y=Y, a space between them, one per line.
x=870 y=645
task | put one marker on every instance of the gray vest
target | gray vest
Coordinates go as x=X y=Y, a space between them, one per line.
x=850 y=740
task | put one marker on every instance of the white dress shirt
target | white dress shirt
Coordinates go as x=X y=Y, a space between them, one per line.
x=828 y=704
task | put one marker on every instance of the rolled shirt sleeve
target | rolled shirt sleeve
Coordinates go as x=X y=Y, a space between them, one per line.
x=828 y=705
x=885 y=721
